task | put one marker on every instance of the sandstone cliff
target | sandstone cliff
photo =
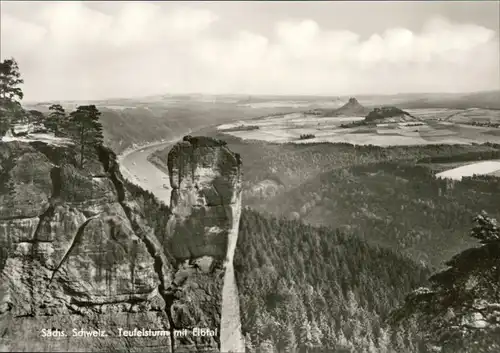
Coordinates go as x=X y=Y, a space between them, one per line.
x=83 y=249
x=206 y=205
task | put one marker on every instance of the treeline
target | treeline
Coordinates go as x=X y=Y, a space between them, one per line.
x=306 y=136
x=463 y=157
x=355 y=124
x=484 y=124
x=242 y=128
x=82 y=125
x=307 y=289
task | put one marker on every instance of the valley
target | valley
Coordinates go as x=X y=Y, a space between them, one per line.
x=396 y=198
x=251 y=177
x=394 y=211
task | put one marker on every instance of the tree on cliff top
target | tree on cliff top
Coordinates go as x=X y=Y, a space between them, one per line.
x=56 y=121
x=10 y=93
x=86 y=130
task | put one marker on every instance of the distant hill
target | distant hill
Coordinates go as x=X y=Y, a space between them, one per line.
x=351 y=108
x=387 y=112
x=485 y=100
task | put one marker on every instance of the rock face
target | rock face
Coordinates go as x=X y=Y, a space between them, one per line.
x=206 y=206
x=460 y=313
x=79 y=252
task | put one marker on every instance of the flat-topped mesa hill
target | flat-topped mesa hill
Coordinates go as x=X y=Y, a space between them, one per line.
x=387 y=112
x=384 y=115
x=83 y=248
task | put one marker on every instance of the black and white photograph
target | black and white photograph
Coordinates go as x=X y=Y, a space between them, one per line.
x=250 y=176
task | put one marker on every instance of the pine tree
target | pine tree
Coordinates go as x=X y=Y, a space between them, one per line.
x=259 y=327
x=86 y=130
x=352 y=304
x=485 y=228
x=249 y=346
x=10 y=78
x=36 y=119
x=289 y=339
x=305 y=340
x=267 y=346
x=56 y=121
x=316 y=334
x=372 y=348
x=10 y=94
x=398 y=341
x=342 y=343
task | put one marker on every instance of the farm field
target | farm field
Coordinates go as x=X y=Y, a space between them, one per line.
x=479 y=168
x=433 y=126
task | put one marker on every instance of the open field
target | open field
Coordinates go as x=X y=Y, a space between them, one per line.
x=479 y=168
x=432 y=126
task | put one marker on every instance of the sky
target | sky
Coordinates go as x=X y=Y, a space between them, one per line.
x=97 y=50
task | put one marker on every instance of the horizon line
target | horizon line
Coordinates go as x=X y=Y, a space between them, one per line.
x=261 y=95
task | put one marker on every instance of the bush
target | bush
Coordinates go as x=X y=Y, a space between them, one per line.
x=306 y=136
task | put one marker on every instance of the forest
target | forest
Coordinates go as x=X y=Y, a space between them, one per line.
x=312 y=289
x=317 y=289
x=402 y=206
x=389 y=196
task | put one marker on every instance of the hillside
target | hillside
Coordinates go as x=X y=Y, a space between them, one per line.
x=399 y=205
x=317 y=287
x=460 y=311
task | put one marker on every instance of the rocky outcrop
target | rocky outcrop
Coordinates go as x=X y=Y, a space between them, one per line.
x=80 y=256
x=206 y=206
x=351 y=108
x=460 y=313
